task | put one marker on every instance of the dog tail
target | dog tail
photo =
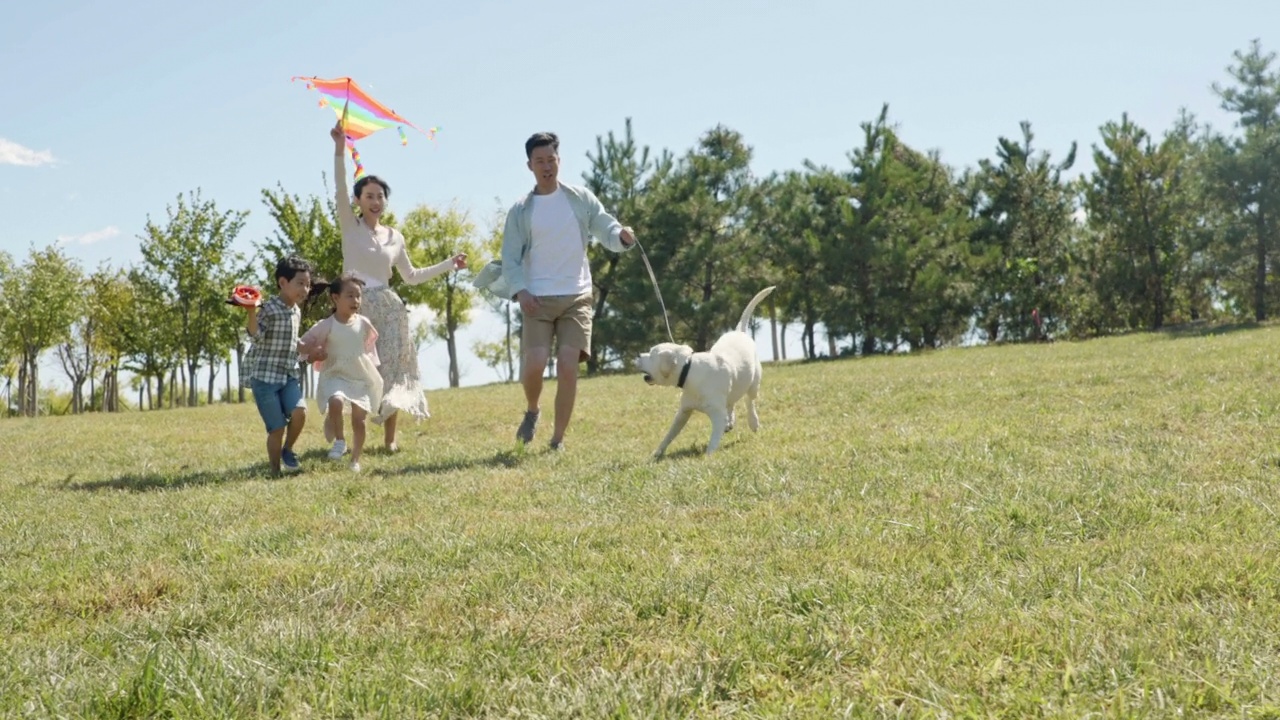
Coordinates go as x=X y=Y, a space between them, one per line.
x=751 y=308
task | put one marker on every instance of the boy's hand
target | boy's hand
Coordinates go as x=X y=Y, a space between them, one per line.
x=338 y=135
x=459 y=261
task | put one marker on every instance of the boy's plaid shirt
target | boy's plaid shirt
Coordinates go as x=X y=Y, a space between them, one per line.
x=273 y=358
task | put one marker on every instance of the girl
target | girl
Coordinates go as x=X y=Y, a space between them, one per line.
x=370 y=251
x=346 y=344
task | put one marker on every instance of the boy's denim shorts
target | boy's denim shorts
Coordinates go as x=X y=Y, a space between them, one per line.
x=277 y=401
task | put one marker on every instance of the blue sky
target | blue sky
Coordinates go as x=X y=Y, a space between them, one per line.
x=113 y=109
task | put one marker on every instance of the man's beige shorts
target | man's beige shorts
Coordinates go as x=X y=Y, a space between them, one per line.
x=567 y=317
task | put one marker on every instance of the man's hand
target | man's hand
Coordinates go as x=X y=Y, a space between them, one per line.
x=528 y=302
x=627 y=237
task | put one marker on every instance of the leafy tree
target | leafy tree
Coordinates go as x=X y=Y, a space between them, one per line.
x=1247 y=168
x=44 y=298
x=1023 y=209
x=623 y=175
x=191 y=256
x=1134 y=202
x=433 y=236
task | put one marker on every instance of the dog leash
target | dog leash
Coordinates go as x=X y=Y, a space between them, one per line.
x=645 y=256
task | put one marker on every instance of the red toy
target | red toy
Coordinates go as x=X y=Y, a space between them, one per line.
x=245 y=296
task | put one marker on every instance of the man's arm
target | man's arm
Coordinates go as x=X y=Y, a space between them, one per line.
x=605 y=228
x=513 y=243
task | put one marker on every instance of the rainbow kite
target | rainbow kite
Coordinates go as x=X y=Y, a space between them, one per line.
x=361 y=115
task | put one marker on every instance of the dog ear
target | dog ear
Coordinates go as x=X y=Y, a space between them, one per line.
x=666 y=365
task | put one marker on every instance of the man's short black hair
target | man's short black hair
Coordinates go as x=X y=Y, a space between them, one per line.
x=541 y=139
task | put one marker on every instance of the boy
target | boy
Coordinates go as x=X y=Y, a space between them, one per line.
x=272 y=364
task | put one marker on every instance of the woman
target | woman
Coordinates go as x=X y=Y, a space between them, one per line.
x=370 y=251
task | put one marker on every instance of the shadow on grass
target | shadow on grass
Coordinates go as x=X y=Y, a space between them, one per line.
x=148 y=482
x=502 y=459
x=1201 y=329
x=700 y=449
x=687 y=452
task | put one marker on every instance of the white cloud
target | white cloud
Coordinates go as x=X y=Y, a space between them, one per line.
x=90 y=238
x=11 y=153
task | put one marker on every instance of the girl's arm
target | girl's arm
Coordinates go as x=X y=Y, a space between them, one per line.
x=313 y=341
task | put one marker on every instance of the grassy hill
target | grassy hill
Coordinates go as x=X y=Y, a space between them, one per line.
x=1049 y=530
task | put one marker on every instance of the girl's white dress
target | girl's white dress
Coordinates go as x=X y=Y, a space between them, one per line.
x=350 y=368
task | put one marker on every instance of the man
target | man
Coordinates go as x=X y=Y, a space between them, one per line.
x=545 y=269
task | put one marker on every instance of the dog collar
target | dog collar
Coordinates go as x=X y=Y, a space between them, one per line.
x=684 y=373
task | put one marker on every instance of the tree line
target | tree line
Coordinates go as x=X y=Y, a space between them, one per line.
x=895 y=251
x=898 y=251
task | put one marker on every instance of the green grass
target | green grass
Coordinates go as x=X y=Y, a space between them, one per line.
x=1054 y=530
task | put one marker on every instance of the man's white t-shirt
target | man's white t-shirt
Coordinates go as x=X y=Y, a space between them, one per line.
x=556 y=263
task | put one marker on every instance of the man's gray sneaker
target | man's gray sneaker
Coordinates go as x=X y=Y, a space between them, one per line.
x=530 y=423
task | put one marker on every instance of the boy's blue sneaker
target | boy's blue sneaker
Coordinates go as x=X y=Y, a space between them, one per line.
x=289 y=461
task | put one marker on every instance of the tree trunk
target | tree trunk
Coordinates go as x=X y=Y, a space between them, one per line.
x=1153 y=258
x=22 y=386
x=605 y=285
x=782 y=340
x=773 y=327
x=240 y=368
x=703 y=336
x=831 y=343
x=33 y=386
x=228 y=379
x=193 y=390
x=451 y=340
x=213 y=376
x=511 y=365
x=1260 y=276
x=111 y=389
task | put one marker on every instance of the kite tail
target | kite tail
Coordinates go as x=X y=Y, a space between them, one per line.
x=404 y=139
x=355 y=158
